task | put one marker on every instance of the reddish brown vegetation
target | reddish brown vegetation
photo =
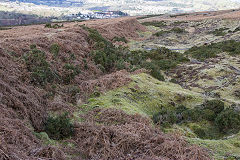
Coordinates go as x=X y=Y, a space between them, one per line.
x=122 y=136
x=121 y=27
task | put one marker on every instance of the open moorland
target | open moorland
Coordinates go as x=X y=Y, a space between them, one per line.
x=152 y=87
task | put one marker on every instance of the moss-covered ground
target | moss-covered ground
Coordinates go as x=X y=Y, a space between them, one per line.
x=146 y=95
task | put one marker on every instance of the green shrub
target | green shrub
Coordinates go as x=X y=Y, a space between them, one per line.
x=173 y=81
x=211 y=50
x=219 y=32
x=176 y=23
x=48 y=25
x=160 y=33
x=199 y=131
x=33 y=46
x=59 y=127
x=165 y=117
x=228 y=121
x=194 y=114
x=216 y=106
x=85 y=63
x=155 y=23
x=54 y=49
x=69 y=72
x=203 y=52
x=105 y=54
x=73 y=90
x=178 y=30
x=157 y=74
x=37 y=64
x=208 y=114
x=120 y=39
x=108 y=57
x=55 y=26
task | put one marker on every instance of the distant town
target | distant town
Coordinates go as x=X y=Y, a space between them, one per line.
x=94 y=15
x=12 y=18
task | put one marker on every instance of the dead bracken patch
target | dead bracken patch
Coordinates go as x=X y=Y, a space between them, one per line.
x=112 y=134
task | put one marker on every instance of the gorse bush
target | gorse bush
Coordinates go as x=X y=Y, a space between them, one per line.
x=228 y=121
x=165 y=117
x=105 y=53
x=120 y=39
x=108 y=57
x=155 y=23
x=41 y=71
x=216 y=106
x=161 y=33
x=210 y=51
x=36 y=63
x=59 y=127
x=178 y=30
x=69 y=72
x=55 y=26
x=219 y=32
x=219 y=121
x=54 y=49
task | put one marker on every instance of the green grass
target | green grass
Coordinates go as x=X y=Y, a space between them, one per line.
x=223 y=148
x=149 y=97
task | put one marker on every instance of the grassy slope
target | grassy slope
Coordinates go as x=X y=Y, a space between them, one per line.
x=146 y=95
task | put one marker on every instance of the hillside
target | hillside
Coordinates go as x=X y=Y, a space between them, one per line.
x=150 y=87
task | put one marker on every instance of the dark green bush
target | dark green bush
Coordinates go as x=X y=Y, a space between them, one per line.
x=199 y=131
x=54 y=49
x=165 y=117
x=176 y=23
x=160 y=33
x=37 y=64
x=33 y=46
x=219 y=32
x=208 y=114
x=48 y=25
x=69 y=72
x=108 y=57
x=228 y=121
x=173 y=81
x=194 y=114
x=178 y=30
x=211 y=50
x=55 y=26
x=216 y=106
x=120 y=39
x=59 y=127
x=155 y=23
x=157 y=74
